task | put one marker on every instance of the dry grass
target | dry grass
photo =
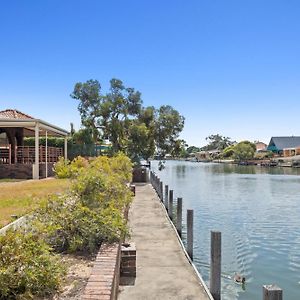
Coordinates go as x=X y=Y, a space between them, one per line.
x=19 y=198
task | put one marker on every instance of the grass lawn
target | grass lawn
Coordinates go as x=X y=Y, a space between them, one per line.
x=19 y=198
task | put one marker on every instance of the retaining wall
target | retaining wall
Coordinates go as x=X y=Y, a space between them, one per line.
x=103 y=283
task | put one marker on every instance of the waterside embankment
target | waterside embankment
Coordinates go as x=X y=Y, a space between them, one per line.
x=163 y=270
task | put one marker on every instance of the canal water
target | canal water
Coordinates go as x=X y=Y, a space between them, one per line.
x=257 y=209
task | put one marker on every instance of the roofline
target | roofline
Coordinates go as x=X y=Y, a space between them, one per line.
x=286 y=136
x=32 y=123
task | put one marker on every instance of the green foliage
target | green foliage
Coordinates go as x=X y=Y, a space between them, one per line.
x=228 y=152
x=51 y=141
x=111 y=112
x=120 y=117
x=179 y=149
x=264 y=155
x=77 y=165
x=168 y=125
x=68 y=225
x=91 y=213
x=244 y=150
x=94 y=211
x=90 y=102
x=103 y=182
x=27 y=267
x=61 y=168
x=138 y=141
x=217 y=142
x=83 y=136
x=192 y=149
x=66 y=169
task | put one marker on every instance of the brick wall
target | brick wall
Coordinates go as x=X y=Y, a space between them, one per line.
x=128 y=260
x=103 y=283
x=16 y=171
x=23 y=171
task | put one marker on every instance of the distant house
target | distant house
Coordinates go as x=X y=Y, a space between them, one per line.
x=279 y=144
x=260 y=146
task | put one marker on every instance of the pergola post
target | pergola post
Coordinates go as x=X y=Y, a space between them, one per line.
x=66 y=147
x=36 y=168
x=46 y=155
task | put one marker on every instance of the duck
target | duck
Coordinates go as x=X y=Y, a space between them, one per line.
x=239 y=278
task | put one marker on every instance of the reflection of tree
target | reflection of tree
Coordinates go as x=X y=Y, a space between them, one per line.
x=180 y=171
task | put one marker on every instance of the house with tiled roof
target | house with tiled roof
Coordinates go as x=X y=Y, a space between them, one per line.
x=19 y=161
x=284 y=144
x=13 y=114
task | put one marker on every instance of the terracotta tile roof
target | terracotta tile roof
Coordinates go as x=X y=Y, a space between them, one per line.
x=13 y=114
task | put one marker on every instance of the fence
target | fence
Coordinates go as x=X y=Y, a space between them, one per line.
x=5 y=154
x=165 y=194
x=26 y=154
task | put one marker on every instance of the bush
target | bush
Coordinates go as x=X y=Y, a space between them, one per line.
x=77 y=165
x=76 y=222
x=27 y=267
x=66 y=169
x=244 y=150
x=264 y=155
x=62 y=168
x=67 y=225
x=103 y=183
x=228 y=151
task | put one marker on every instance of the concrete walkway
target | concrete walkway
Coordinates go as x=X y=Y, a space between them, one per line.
x=163 y=271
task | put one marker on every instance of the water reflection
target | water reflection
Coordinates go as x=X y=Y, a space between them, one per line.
x=231 y=168
x=180 y=171
x=257 y=209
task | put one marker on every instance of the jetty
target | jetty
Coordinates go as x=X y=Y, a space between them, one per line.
x=162 y=269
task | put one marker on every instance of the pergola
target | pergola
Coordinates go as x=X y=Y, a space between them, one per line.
x=18 y=125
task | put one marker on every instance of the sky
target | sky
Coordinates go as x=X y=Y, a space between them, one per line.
x=229 y=67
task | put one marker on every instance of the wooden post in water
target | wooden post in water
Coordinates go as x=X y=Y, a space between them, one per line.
x=161 y=191
x=272 y=292
x=179 y=216
x=166 y=196
x=153 y=180
x=190 y=235
x=170 y=211
x=215 y=264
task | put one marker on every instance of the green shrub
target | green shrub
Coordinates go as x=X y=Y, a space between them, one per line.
x=77 y=165
x=27 y=267
x=62 y=168
x=67 y=225
x=66 y=169
x=104 y=182
x=228 y=152
x=264 y=155
x=76 y=222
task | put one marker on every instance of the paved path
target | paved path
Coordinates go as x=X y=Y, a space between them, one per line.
x=163 y=271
